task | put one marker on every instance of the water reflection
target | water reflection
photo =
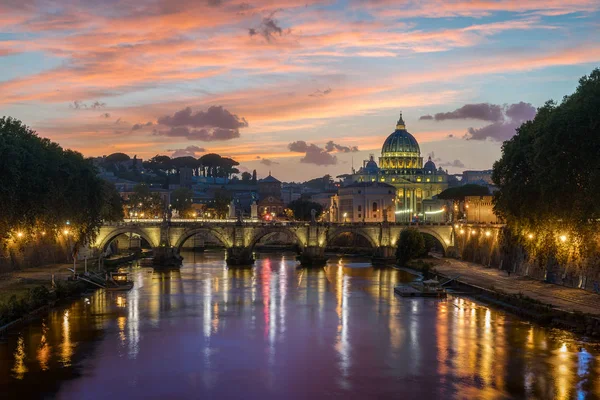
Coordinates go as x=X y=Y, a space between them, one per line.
x=280 y=331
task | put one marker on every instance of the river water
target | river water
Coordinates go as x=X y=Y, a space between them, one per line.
x=276 y=331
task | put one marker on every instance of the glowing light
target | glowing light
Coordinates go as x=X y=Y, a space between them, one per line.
x=456 y=226
x=462 y=231
x=435 y=212
x=530 y=236
x=488 y=233
x=66 y=232
x=563 y=238
x=473 y=232
x=19 y=234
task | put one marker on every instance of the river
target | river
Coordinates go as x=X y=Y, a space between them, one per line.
x=276 y=331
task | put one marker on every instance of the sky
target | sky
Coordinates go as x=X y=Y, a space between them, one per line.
x=299 y=88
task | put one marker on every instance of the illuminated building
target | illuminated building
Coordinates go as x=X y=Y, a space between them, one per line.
x=401 y=166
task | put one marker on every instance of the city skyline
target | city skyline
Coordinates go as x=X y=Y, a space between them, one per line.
x=302 y=90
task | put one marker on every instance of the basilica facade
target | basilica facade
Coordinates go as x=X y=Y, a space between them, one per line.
x=401 y=166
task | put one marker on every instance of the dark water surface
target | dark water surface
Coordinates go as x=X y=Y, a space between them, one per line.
x=275 y=331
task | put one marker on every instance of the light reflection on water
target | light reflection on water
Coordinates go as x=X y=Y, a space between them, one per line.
x=277 y=331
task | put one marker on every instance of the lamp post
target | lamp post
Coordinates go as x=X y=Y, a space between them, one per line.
x=345 y=216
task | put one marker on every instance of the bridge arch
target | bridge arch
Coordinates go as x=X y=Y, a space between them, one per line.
x=332 y=235
x=267 y=230
x=105 y=239
x=220 y=236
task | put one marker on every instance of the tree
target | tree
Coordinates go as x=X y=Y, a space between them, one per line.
x=182 y=200
x=549 y=172
x=246 y=177
x=143 y=201
x=410 y=245
x=112 y=208
x=44 y=186
x=116 y=158
x=302 y=209
x=458 y=193
x=254 y=176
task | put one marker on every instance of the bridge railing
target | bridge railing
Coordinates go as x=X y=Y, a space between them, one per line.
x=230 y=221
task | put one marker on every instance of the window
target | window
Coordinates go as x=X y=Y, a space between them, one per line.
x=374 y=206
x=359 y=215
x=359 y=208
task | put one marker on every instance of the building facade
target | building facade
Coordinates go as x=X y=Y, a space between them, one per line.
x=363 y=202
x=401 y=166
x=480 y=210
x=269 y=192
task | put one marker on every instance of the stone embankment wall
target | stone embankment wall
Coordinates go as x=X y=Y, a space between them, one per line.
x=561 y=264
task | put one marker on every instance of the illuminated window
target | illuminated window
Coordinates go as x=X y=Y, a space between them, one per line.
x=419 y=179
x=428 y=180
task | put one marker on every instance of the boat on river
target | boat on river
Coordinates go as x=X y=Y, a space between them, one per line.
x=119 y=281
x=428 y=288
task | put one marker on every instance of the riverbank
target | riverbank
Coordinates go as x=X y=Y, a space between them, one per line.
x=27 y=293
x=567 y=308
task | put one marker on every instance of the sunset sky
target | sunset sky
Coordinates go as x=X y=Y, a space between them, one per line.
x=301 y=88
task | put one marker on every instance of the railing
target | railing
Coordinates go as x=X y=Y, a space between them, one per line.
x=156 y=221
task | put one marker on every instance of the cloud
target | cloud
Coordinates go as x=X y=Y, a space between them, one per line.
x=455 y=163
x=515 y=115
x=320 y=93
x=505 y=119
x=79 y=105
x=313 y=154
x=268 y=28
x=188 y=151
x=425 y=117
x=481 y=111
x=105 y=115
x=137 y=127
x=216 y=123
x=331 y=146
x=267 y=162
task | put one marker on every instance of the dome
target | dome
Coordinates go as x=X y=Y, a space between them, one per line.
x=371 y=166
x=429 y=166
x=400 y=141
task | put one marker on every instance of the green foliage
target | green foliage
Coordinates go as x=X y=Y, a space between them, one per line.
x=181 y=200
x=302 y=209
x=410 y=245
x=43 y=186
x=116 y=158
x=323 y=183
x=458 y=193
x=221 y=203
x=112 y=208
x=143 y=201
x=550 y=170
x=246 y=177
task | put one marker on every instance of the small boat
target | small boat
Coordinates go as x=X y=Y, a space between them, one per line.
x=428 y=288
x=119 y=281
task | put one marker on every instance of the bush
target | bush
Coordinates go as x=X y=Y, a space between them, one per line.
x=411 y=245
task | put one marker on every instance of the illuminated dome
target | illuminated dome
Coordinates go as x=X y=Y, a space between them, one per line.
x=400 y=150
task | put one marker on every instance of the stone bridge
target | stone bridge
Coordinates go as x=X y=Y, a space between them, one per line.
x=240 y=238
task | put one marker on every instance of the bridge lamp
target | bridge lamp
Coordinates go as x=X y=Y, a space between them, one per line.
x=456 y=226
x=563 y=238
x=19 y=234
x=488 y=233
x=462 y=231
x=530 y=236
x=66 y=232
x=43 y=233
x=473 y=232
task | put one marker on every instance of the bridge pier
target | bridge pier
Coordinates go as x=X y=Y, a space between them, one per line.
x=313 y=256
x=384 y=255
x=166 y=256
x=239 y=255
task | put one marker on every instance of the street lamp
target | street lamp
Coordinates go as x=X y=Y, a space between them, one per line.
x=345 y=216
